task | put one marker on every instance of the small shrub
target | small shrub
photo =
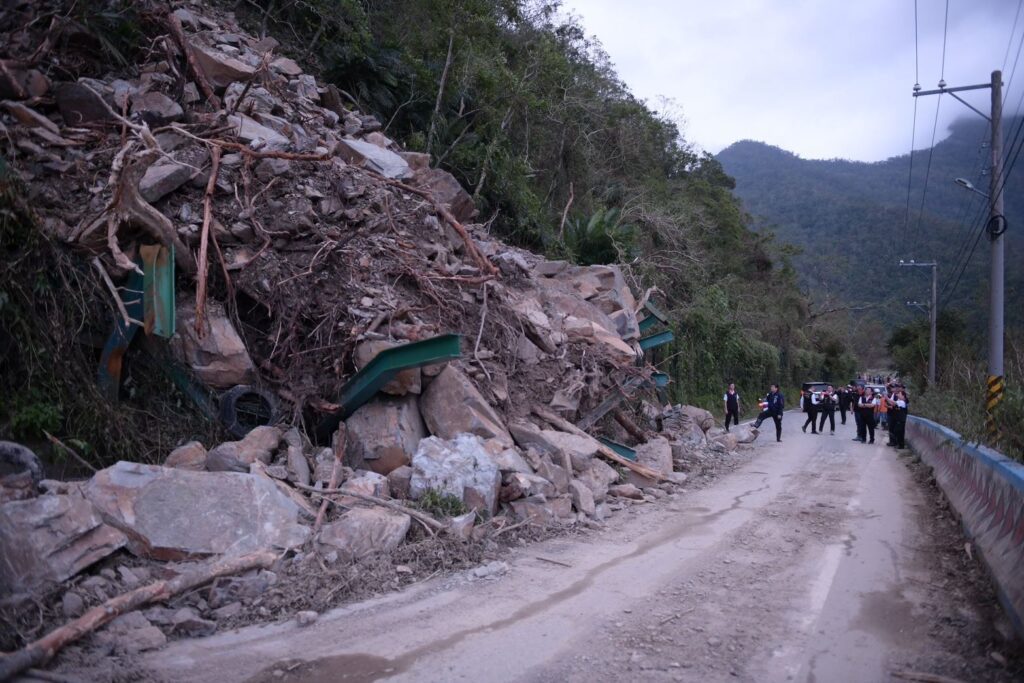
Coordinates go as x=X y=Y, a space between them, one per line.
x=441 y=504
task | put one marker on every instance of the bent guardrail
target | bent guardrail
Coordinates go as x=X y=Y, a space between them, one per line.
x=987 y=490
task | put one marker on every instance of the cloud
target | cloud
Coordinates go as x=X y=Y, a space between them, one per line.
x=822 y=79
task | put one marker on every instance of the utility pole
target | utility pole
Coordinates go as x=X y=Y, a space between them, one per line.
x=933 y=313
x=996 y=227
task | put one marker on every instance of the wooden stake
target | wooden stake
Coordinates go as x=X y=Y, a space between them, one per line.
x=428 y=521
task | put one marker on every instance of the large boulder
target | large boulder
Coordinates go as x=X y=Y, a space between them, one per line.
x=452 y=405
x=698 y=416
x=218 y=358
x=582 y=498
x=536 y=324
x=236 y=456
x=745 y=434
x=369 y=155
x=542 y=510
x=366 y=484
x=220 y=69
x=49 y=539
x=586 y=331
x=363 y=531
x=598 y=476
x=445 y=189
x=383 y=434
x=460 y=467
x=656 y=454
x=171 y=514
x=580 y=449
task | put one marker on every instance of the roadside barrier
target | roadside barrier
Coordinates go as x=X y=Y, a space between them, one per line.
x=987 y=491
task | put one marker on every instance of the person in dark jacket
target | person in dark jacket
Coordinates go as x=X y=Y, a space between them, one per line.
x=827 y=408
x=898 y=406
x=811 y=401
x=866 y=405
x=855 y=398
x=732 y=406
x=844 y=402
x=775 y=406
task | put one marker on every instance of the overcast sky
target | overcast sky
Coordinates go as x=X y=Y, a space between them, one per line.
x=822 y=78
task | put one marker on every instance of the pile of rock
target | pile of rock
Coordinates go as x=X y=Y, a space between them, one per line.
x=342 y=244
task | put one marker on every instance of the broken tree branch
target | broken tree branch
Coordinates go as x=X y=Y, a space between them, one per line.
x=204 y=242
x=427 y=521
x=69 y=450
x=339 y=450
x=41 y=651
x=118 y=301
x=566 y=426
x=629 y=425
x=565 y=214
x=482 y=262
x=186 y=49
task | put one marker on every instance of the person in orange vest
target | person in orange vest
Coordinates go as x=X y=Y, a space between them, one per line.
x=881 y=412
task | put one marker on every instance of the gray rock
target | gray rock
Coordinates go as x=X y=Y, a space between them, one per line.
x=271 y=168
x=78 y=104
x=582 y=498
x=163 y=178
x=460 y=467
x=580 y=449
x=72 y=605
x=256 y=134
x=384 y=433
x=156 y=108
x=306 y=617
x=555 y=474
x=219 y=358
x=452 y=405
x=219 y=68
x=187 y=622
x=49 y=539
x=235 y=456
x=286 y=66
x=626 y=491
x=445 y=189
x=399 y=482
x=655 y=454
x=174 y=514
x=369 y=155
x=363 y=531
x=298 y=466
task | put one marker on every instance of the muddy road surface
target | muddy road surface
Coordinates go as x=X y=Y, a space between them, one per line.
x=819 y=559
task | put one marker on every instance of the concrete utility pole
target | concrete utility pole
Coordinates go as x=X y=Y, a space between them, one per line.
x=933 y=313
x=996 y=227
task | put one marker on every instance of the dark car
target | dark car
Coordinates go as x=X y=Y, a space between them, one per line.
x=808 y=388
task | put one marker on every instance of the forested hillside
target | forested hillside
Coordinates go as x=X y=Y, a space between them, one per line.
x=527 y=112
x=849 y=219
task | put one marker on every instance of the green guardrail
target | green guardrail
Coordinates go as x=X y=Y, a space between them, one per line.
x=381 y=370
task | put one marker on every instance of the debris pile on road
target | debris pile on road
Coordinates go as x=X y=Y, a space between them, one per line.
x=317 y=279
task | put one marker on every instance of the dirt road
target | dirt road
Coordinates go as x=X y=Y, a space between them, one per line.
x=819 y=559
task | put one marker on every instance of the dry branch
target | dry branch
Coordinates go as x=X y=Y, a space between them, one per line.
x=339 y=450
x=630 y=426
x=603 y=450
x=179 y=36
x=204 y=242
x=41 y=651
x=128 y=206
x=427 y=520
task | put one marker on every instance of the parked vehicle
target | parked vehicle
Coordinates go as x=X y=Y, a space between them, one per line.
x=808 y=388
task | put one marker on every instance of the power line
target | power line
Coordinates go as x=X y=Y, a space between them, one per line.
x=1013 y=29
x=945 y=27
x=928 y=166
x=910 y=174
x=917 y=61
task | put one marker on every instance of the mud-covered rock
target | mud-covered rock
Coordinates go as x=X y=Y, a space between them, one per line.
x=383 y=434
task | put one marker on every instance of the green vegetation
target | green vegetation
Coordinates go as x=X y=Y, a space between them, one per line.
x=958 y=398
x=441 y=504
x=512 y=98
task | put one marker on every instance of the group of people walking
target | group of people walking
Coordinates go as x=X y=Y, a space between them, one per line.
x=885 y=408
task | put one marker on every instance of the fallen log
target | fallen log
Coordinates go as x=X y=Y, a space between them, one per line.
x=42 y=650
x=604 y=451
x=630 y=426
x=426 y=520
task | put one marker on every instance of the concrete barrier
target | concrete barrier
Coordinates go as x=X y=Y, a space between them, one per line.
x=987 y=490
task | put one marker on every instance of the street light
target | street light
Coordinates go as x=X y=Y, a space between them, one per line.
x=964 y=182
